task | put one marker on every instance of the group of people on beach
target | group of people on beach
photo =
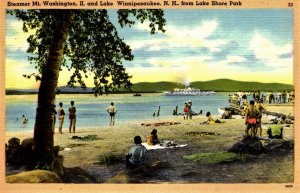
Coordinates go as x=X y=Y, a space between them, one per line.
x=253 y=115
x=111 y=110
x=241 y=97
x=61 y=117
x=187 y=110
x=137 y=153
x=252 y=112
x=72 y=116
x=279 y=97
x=24 y=121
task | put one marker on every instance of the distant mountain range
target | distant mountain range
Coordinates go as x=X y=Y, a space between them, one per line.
x=219 y=85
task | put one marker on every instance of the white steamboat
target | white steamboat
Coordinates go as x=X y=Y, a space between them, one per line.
x=188 y=92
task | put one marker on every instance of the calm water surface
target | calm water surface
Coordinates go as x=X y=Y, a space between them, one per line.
x=91 y=111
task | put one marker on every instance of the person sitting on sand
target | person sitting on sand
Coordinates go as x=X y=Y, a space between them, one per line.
x=226 y=114
x=275 y=130
x=285 y=120
x=136 y=155
x=152 y=139
x=210 y=120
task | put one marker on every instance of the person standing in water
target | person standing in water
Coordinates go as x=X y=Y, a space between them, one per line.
x=112 y=112
x=72 y=117
x=25 y=121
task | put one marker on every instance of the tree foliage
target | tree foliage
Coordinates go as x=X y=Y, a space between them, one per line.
x=93 y=48
x=84 y=41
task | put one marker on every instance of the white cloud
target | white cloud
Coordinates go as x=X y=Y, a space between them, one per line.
x=194 y=37
x=234 y=59
x=215 y=45
x=201 y=31
x=269 y=53
x=184 y=62
x=286 y=49
x=193 y=67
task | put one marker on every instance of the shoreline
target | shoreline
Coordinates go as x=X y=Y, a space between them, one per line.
x=116 y=140
x=280 y=108
x=117 y=125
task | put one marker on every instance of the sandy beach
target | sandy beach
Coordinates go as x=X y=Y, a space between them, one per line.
x=82 y=157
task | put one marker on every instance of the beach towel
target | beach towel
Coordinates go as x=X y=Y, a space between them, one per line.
x=159 y=146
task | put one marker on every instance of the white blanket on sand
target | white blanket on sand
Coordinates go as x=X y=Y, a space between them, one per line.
x=158 y=146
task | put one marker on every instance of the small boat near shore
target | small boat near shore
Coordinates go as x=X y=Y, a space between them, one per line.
x=137 y=94
x=188 y=92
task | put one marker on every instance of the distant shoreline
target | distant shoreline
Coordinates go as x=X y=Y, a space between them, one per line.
x=219 y=85
x=31 y=93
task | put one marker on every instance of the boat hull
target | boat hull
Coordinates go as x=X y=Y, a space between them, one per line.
x=189 y=94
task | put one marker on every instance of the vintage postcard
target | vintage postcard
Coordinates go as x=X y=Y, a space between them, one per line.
x=149 y=96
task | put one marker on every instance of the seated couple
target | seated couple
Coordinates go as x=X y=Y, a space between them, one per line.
x=137 y=154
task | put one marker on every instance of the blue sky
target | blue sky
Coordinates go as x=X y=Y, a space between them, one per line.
x=198 y=45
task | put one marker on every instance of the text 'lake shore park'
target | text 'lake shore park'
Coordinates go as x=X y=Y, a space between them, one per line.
x=122 y=3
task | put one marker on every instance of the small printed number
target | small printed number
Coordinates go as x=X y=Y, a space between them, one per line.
x=289 y=186
x=290 y=4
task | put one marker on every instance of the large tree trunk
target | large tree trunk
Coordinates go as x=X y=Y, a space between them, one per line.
x=43 y=136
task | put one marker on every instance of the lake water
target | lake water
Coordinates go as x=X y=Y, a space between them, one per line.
x=91 y=111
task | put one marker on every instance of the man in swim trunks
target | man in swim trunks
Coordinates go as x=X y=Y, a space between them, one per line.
x=251 y=114
x=112 y=112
